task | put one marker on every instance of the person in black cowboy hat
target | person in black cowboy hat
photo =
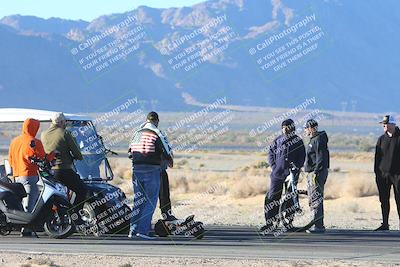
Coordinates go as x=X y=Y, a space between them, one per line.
x=387 y=167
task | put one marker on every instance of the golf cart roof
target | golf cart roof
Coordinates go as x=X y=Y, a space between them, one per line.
x=21 y=114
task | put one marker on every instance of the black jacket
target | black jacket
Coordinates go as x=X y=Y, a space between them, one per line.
x=283 y=151
x=317 y=153
x=387 y=154
x=147 y=148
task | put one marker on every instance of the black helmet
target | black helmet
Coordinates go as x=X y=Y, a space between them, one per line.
x=311 y=123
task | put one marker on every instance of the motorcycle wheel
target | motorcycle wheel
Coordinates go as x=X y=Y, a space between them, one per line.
x=59 y=224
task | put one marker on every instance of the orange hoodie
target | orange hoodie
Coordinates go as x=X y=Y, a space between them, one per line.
x=21 y=149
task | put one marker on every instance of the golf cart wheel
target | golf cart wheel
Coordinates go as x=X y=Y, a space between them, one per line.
x=161 y=229
x=59 y=225
x=90 y=217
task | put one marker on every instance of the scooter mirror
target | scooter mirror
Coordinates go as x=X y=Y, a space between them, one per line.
x=8 y=168
x=33 y=144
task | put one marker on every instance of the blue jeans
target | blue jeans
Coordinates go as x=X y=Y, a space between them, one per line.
x=32 y=191
x=146 y=187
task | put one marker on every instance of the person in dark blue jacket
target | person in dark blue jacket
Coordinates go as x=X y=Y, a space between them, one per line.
x=286 y=150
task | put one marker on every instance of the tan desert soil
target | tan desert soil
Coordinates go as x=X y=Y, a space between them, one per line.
x=55 y=260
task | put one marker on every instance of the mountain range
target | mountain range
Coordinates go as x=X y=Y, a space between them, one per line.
x=215 y=49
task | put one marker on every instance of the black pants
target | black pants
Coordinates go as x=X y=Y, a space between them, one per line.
x=272 y=198
x=384 y=183
x=165 y=201
x=73 y=181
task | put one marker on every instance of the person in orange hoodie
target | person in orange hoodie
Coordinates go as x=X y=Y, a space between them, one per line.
x=21 y=148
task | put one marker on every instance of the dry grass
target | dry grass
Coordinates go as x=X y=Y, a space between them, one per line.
x=251 y=186
x=350 y=185
x=359 y=156
x=251 y=180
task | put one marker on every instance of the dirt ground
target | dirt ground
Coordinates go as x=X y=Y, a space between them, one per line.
x=228 y=188
x=55 y=260
x=222 y=187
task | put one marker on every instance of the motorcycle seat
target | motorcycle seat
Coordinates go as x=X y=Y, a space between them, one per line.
x=16 y=188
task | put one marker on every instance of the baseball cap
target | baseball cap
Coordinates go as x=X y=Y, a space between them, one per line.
x=311 y=123
x=288 y=122
x=58 y=117
x=388 y=119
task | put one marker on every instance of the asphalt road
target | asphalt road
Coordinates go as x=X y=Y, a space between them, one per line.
x=226 y=242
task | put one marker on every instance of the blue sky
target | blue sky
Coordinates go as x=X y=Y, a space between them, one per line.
x=81 y=9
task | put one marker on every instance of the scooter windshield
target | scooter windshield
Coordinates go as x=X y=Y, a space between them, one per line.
x=92 y=149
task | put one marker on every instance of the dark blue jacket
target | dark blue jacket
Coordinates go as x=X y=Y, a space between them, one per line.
x=284 y=150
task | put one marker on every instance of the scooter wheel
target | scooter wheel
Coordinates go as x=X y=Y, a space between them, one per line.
x=59 y=226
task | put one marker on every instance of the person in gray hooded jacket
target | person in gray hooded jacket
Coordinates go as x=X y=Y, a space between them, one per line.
x=316 y=165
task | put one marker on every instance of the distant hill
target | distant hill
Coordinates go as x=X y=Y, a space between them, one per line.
x=355 y=66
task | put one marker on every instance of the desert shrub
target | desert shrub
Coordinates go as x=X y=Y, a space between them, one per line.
x=181 y=163
x=179 y=184
x=334 y=187
x=249 y=187
x=360 y=185
x=260 y=165
x=352 y=185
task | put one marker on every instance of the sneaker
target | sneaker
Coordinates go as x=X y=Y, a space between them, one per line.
x=268 y=228
x=132 y=234
x=146 y=237
x=383 y=227
x=171 y=218
x=27 y=234
x=316 y=230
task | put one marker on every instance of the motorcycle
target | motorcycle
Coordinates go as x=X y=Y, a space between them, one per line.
x=51 y=212
x=106 y=210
